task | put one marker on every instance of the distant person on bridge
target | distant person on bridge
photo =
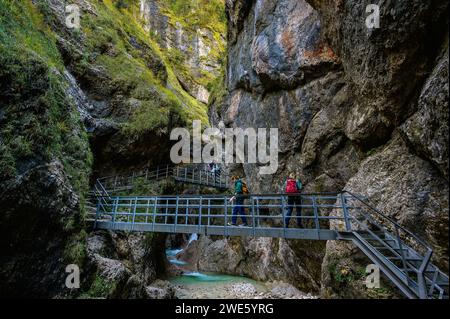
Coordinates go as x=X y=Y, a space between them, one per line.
x=240 y=190
x=292 y=187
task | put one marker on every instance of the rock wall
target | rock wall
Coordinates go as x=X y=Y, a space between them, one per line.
x=126 y=266
x=79 y=103
x=196 y=45
x=357 y=109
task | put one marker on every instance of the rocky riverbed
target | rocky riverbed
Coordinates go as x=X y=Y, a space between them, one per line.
x=239 y=290
x=189 y=283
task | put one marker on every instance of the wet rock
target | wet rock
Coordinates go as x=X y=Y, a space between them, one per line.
x=38 y=205
x=126 y=263
x=262 y=259
x=286 y=50
x=340 y=99
x=409 y=190
x=282 y=290
x=378 y=61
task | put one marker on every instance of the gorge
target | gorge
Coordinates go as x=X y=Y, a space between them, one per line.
x=357 y=109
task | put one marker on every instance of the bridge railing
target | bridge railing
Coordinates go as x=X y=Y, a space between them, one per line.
x=413 y=252
x=201 y=177
x=127 y=182
x=184 y=173
x=323 y=216
x=261 y=211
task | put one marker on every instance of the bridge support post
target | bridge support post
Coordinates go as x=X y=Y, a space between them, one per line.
x=200 y=215
x=97 y=213
x=209 y=210
x=134 y=213
x=316 y=216
x=253 y=214
x=154 y=214
x=348 y=226
x=225 y=213
x=116 y=202
x=176 y=215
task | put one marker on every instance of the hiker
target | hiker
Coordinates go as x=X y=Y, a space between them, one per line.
x=240 y=189
x=291 y=187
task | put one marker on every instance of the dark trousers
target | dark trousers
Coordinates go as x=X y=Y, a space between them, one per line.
x=239 y=209
x=294 y=202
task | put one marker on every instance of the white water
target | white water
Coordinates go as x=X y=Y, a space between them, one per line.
x=172 y=253
x=192 y=238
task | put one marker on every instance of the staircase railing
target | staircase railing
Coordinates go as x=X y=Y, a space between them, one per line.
x=410 y=251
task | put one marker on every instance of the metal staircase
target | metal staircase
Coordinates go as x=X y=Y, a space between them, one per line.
x=403 y=257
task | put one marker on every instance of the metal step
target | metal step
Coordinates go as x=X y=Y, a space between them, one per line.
x=389 y=248
x=407 y=259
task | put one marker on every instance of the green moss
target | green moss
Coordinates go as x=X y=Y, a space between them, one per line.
x=100 y=288
x=39 y=120
x=196 y=14
x=75 y=250
x=142 y=72
x=218 y=90
x=345 y=275
x=23 y=26
x=7 y=162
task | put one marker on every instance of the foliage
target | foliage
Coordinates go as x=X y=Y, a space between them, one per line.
x=199 y=13
x=137 y=70
x=75 y=250
x=345 y=275
x=218 y=90
x=38 y=119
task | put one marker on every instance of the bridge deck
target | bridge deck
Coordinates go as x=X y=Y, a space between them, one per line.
x=311 y=234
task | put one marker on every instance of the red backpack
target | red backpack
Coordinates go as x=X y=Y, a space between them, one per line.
x=291 y=186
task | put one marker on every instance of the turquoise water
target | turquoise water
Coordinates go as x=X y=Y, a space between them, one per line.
x=213 y=280
x=173 y=252
x=191 y=278
x=177 y=262
x=171 y=255
x=197 y=277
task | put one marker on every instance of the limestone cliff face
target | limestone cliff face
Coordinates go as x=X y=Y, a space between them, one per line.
x=198 y=45
x=357 y=109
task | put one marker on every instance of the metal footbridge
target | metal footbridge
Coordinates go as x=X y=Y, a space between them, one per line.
x=403 y=257
x=183 y=174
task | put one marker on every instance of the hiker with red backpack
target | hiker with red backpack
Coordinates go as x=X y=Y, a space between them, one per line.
x=240 y=190
x=293 y=186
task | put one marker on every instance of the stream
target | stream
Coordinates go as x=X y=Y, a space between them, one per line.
x=193 y=284
x=206 y=285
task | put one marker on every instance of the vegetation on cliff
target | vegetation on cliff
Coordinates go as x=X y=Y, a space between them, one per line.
x=39 y=121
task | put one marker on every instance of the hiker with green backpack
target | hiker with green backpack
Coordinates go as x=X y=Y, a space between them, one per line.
x=240 y=190
x=292 y=188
